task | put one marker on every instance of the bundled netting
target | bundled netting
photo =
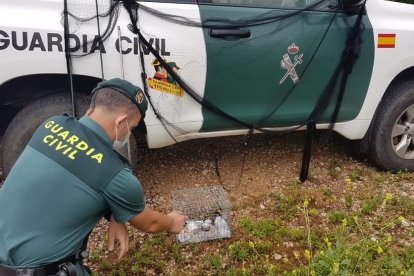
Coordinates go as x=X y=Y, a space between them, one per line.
x=209 y=212
x=89 y=24
x=99 y=17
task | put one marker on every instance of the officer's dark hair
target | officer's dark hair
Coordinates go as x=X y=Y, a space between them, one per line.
x=112 y=101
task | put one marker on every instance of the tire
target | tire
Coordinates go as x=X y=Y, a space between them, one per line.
x=24 y=124
x=391 y=144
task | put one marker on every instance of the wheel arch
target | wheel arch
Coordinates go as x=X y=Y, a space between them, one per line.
x=20 y=91
x=401 y=78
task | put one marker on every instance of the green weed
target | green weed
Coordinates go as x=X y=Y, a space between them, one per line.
x=337 y=217
x=371 y=204
x=348 y=201
x=216 y=261
x=261 y=229
x=355 y=175
x=239 y=251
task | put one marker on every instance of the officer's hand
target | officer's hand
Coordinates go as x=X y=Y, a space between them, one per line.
x=178 y=222
x=118 y=231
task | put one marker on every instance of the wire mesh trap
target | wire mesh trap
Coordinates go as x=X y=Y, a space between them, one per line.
x=209 y=212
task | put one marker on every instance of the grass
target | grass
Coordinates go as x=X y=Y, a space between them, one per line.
x=94 y=254
x=287 y=203
x=215 y=261
x=355 y=175
x=372 y=204
x=336 y=217
x=260 y=229
x=321 y=230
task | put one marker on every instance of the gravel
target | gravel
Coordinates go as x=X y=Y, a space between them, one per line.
x=246 y=168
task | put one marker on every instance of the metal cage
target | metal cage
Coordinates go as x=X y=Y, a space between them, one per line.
x=209 y=212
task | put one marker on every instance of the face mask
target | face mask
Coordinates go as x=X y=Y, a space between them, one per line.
x=117 y=145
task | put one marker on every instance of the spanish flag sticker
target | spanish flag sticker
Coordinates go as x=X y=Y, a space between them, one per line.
x=386 y=40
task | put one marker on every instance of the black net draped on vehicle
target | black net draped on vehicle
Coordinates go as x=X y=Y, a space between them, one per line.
x=82 y=20
x=79 y=19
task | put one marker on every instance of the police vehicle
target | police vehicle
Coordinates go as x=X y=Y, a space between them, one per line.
x=269 y=75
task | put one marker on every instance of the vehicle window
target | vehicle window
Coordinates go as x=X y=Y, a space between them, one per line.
x=282 y=4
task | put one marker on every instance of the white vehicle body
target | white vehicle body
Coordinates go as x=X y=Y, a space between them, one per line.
x=43 y=54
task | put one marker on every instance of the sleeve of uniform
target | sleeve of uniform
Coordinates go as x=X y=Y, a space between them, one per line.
x=125 y=196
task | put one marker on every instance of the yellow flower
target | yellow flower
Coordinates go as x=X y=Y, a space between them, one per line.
x=305 y=203
x=285 y=260
x=402 y=273
x=355 y=219
x=348 y=181
x=335 y=267
x=296 y=254
x=251 y=244
x=388 y=196
x=401 y=219
x=307 y=254
x=313 y=273
x=389 y=239
x=322 y=253
x=379 y=250
x=344 y=222
x=328 y=243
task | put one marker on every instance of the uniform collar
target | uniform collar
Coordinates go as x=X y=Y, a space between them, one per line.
x=95 y=127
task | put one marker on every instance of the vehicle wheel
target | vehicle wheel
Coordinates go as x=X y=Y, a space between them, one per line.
x=392 y=136
x=24 y=124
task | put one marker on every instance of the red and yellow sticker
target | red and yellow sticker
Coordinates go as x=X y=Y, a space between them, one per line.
x=386 y=40
x=165 y=87
x=164 y=82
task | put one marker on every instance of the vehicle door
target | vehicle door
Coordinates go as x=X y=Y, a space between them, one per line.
x=273 y=74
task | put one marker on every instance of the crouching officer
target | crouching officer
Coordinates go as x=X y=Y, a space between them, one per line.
x=67 y=178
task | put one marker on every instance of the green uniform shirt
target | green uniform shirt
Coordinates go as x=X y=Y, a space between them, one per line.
x=55 y=194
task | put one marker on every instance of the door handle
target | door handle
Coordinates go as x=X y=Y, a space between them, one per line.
x=239 y=33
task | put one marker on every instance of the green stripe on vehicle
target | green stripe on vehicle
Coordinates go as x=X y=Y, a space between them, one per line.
x=244 y=75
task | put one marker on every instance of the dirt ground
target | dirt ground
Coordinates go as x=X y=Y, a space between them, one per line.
x=251 y=171
x=260 y=165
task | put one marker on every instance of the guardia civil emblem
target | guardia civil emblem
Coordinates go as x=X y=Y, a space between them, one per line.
x=139 y=97
x=287 y=64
